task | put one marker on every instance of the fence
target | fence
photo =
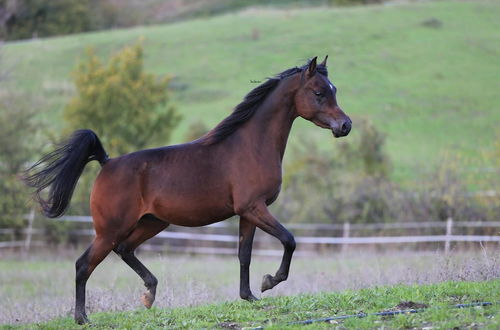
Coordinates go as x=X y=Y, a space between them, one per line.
x=224 y=234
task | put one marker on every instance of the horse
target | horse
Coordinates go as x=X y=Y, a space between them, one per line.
x=234 y=169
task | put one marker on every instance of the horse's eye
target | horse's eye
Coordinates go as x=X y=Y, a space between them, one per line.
x=318 y=93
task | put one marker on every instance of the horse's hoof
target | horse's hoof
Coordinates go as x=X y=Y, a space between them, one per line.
x=267 y=283
x=81 y=319
x=147 y=299
x=250 y=297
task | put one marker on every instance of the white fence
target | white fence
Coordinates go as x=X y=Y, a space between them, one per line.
x=341 y=235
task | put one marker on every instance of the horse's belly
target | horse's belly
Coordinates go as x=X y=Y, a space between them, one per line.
x=192 y=212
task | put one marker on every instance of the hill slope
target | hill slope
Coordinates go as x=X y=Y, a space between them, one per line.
x=426 y=74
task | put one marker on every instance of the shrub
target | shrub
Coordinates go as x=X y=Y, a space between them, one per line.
x=43 y=18
x=128 y=108
x=352 y=183
x=17 y=133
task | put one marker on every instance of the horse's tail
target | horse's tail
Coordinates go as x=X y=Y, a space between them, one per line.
x=61 y=169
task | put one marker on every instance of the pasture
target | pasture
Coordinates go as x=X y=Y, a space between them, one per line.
x=425 y=73
x=38 y=288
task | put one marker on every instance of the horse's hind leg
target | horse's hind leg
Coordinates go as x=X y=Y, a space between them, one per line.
x=147 y=227
x=85 y=265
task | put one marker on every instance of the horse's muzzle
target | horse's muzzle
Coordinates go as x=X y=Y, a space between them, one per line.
x=342 y=127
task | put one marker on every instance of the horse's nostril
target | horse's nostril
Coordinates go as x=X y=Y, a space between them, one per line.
x=345 y=127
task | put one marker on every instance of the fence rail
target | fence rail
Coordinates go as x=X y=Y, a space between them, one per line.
x=345 y=239
x=328 y=226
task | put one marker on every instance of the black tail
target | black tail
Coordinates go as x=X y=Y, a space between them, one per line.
x=61 y=169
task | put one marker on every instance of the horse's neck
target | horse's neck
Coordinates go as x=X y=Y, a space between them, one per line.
x=268 y=130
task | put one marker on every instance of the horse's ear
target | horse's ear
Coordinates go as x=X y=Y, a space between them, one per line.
x=324 y=61
x=312 y=66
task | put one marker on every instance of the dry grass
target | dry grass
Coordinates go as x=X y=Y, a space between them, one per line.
x=40 y=287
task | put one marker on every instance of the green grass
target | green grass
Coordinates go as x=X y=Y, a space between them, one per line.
x=275 y=313
x=40 y=287
x=432 y=90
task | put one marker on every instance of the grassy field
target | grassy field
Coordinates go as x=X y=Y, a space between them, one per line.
x=425 y=73
x=39 y=288
x=276 y=313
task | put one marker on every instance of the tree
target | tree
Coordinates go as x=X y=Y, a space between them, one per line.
x=24 y=19
x=128 y=108
x=17 y=144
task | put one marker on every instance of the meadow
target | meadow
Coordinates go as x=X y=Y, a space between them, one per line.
x=426 y=74
x=40 y=287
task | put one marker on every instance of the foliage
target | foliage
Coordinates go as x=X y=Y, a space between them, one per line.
x=17 y=133
x=17 y=136
x=43 y=18
x=22 y=19
x=352 y=183
x=128 y=108
x=347 y=184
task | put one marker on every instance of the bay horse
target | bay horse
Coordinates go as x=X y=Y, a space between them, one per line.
x=234 y=169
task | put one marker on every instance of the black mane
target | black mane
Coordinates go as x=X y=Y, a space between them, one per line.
x=245 y=110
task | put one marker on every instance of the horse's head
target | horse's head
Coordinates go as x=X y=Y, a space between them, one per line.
x=316 y=100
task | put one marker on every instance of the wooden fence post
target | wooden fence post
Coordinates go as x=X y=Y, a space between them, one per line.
x=29 y=230
x=449 y=226
x=345 y=234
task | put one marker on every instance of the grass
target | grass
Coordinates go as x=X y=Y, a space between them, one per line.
x=431 y=87
x=275 y=313
x=39 y=288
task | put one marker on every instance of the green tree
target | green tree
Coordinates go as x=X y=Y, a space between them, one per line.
x=128 y=108
x=17 y=136
x=28 y=18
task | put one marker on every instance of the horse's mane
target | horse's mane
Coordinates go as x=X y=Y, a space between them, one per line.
x=252 y=101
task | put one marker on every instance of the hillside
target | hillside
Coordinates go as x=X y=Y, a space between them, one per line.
x=425 y=73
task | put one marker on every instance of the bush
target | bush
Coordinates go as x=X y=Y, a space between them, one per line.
x=17 y=133
x=352 y=184
x=43 y=18
x=128 y=109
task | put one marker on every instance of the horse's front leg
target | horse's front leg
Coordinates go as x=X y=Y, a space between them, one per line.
x=247 y=231
x=259 y=215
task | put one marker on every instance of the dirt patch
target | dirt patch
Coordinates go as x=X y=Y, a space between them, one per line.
x=229 y=325
x=406 y=305
x=409 y=305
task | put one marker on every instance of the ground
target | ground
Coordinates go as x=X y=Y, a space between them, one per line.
x=38 y=288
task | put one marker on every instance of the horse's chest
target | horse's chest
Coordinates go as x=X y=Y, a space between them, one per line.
x=260 y=181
